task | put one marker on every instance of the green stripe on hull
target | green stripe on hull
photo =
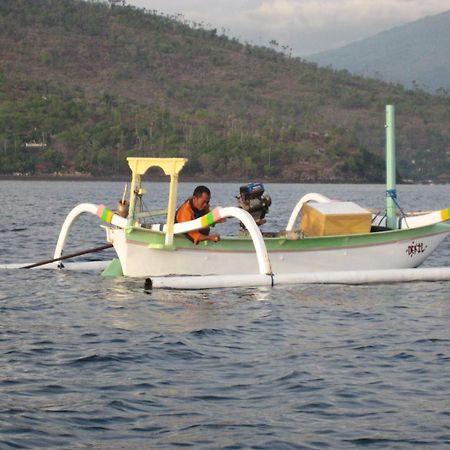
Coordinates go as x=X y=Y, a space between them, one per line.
x=230 y=243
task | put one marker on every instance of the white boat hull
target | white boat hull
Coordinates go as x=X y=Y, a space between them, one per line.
x=138 y=259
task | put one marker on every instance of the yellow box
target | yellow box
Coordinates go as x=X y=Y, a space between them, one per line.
x=335 y=218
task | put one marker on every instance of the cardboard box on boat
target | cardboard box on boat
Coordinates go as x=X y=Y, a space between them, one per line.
x=334 y=218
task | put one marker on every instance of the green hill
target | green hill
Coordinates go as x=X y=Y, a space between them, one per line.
x=82 y=85
x=415 y=54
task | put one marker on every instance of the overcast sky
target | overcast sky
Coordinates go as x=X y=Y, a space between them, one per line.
x=306 y=26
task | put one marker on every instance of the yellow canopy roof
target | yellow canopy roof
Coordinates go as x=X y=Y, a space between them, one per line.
x=170 y=166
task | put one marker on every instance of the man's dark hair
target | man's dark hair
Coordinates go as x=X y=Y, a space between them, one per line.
x=199 y=190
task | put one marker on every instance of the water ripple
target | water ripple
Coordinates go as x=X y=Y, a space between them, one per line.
x=90 y=363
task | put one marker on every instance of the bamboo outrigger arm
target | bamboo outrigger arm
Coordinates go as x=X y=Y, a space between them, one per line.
x=265 y=267
x=100 y=211
x=312 y=197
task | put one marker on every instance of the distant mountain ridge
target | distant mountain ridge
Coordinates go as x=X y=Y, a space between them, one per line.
x=416 y=54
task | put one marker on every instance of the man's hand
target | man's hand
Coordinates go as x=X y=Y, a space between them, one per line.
x=214 y=237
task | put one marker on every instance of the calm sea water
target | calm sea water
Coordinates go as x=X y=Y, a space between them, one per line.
x=92 y=363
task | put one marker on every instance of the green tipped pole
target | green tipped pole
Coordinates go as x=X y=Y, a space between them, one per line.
x=390 y=167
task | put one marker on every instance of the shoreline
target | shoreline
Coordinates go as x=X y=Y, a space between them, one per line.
x=162 y=178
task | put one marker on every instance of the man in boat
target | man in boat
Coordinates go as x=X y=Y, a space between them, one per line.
x=194 y=207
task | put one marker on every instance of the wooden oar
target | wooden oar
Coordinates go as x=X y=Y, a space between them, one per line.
x=72 y=255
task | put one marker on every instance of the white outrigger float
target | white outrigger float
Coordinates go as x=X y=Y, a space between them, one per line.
x=336 y=242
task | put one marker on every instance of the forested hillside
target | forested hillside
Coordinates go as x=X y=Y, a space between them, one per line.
x=83 y=85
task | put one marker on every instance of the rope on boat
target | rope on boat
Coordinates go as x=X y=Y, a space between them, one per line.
x=392 y=193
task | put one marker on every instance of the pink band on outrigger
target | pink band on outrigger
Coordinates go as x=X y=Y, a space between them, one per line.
x=216 y=214
x=104 y=213
x=100 y=210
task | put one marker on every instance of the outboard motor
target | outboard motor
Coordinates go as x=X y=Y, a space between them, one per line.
x=252 y=200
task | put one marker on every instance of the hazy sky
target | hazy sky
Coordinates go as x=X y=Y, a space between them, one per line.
x=307 y=26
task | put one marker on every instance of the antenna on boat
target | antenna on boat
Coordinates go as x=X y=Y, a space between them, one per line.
x=391 y=191
x=124 y=192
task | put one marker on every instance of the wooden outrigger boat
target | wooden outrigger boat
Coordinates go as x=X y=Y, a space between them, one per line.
x=162 y=249
x=332 y=238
